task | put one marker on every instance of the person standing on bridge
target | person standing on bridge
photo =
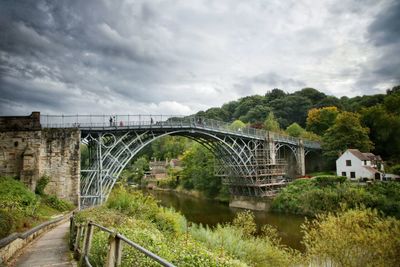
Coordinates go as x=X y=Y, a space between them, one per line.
x=110 y=120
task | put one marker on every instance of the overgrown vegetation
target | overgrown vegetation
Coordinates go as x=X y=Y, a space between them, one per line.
x=326 y=193
x=358 y=237
x=21 y=209
x=355 y=237
x=167 y=233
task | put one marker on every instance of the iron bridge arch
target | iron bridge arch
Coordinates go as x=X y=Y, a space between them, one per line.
x=248 y=160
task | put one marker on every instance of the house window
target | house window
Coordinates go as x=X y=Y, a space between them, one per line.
x=365 y=162
x=348 y=162
x=344 y=174
x=352 y=175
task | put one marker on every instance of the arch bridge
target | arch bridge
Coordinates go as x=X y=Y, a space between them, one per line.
x=248 y=158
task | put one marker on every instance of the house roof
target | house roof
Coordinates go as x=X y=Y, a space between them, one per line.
x=372 y=170
x=364 y=156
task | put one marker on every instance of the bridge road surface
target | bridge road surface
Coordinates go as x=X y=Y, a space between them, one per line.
x=50 y=249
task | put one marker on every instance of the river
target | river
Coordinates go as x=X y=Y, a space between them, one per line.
x=211 y=212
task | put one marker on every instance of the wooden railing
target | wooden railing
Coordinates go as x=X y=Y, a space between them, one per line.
x=80 y=242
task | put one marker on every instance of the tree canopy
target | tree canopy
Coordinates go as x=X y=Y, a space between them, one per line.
x=346 y=132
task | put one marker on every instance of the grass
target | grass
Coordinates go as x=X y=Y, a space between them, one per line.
x=21 y=209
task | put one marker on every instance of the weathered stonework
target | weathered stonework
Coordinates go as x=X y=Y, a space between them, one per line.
x=32 y=153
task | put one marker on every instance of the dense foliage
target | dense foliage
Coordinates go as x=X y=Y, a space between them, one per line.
x=327 y=193
x=353 y=238
x=317 y=112
x=167 y=233
x=20 y=208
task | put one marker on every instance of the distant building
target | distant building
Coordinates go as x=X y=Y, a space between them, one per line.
x=357 y=165
x=159 y=169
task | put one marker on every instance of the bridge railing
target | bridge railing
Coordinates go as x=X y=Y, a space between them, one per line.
x=81 y=236
x=161 y=121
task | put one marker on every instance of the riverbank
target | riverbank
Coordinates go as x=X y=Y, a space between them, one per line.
x=210 y=213
x=358 y=237
x=192 y=193
x=330 y=194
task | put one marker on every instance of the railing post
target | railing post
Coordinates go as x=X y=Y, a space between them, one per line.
x=114 y=254
x=72 y=233
x=79 y=232
x=87 y=242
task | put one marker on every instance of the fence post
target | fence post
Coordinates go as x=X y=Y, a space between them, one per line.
x=79 y=231
x=114 y=254
x=87 y=242
x=72 y=233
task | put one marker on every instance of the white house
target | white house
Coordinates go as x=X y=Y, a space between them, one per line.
x=355 y=165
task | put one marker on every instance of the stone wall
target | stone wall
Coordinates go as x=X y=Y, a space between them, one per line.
x=32 y=153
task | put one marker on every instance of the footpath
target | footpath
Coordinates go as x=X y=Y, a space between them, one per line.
x=51 y=249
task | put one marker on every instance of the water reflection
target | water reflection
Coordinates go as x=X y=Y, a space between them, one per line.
x=211 y=212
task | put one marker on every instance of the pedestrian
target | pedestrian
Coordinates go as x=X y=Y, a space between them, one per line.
x=121 y=124
x=110 y=120
x=115 y=121
x=151 y=120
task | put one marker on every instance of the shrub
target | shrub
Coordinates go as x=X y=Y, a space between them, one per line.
x=357 y=237
x=245 y=221
x=6 y=223
x=14 y=196
x=41 y=185
x=132 y=203
x=167 y=220
x=56 y=203
x=329 y=180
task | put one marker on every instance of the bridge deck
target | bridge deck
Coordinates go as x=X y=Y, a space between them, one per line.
x=51 y=249
x=100 y=123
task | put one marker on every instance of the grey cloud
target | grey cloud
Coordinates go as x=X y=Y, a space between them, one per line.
x=384 y=34
x=93 y=56
x=385 y=29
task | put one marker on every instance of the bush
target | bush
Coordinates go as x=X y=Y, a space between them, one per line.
x=6 y=224
x=352 y=238
x=325 y=193
x=56 y=203
x=15 y=196
x=329 y=180
x=132 y=203
x=41 y=185
x=169 y=221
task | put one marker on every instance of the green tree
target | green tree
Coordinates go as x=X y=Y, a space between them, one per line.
x=294 y=130
x=216 y=114
x=237 y=125
x=198 y=172
x=320 y=119
x=274 y=94
x=247 y=103
x=292 y=108
x=385 y=130
x=168 y=147
x=256 y=114
x=271 y=123
x=313 y=94
x=347 y=132
x=136 y=171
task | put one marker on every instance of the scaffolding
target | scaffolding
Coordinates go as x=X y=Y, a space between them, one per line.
x=262 y=176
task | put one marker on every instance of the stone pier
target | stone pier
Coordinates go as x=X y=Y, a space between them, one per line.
x=29 y=152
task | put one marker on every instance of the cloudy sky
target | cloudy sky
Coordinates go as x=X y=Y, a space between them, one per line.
x=179 y=57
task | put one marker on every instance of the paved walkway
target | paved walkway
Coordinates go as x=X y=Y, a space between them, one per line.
x=51 y=249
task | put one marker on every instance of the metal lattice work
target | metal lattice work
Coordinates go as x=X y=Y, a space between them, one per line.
x=247 y=157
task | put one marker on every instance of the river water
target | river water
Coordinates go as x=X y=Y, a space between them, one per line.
x=211 y=212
